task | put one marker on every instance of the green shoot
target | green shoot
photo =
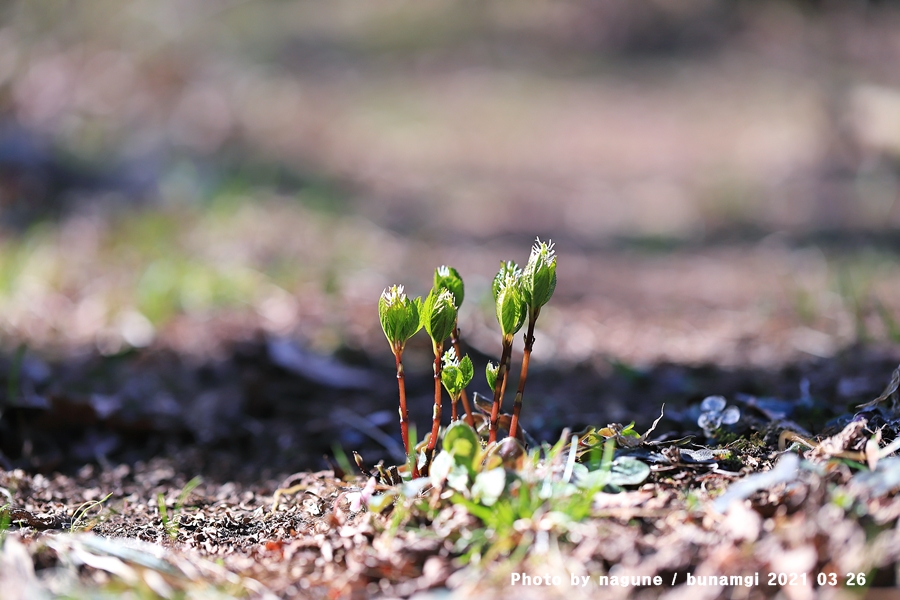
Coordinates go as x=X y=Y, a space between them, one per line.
x=170 y=525
x=170 y=528
x=518 y=294
x=5 y=520
x=538 y=284
x=341 y=457
x=78 y=517
x=449 y=278
x=490 y=373
x=189 y=487
x=439 y=317
x=5 y=517
x=511 y=311
x=401 y=318
x=456 y=375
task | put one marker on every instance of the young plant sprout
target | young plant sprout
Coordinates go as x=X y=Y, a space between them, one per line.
x=400 y=319
x=490 y=373
x=517 y=294
x=511 y=311
x=537 y=285
x=456 y=375
x=438 y=317
x=448 y=278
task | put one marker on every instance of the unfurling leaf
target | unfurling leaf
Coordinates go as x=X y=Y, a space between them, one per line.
x=511 y=307
x=400 y=316
x=455 y=374
x=507 y=269
x=439 y=314
x=467 y=369
x=448 y=278
x=490 y=373
x=539 y=276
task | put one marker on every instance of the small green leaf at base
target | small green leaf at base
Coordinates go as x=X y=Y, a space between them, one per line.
x=623 y=471
x=490 y=373
x=461 y=442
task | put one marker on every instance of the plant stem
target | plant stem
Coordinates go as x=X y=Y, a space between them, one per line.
x=529 y=344
x=470 y=417
x=436 y=423
x=404 y=414
x=500 y=387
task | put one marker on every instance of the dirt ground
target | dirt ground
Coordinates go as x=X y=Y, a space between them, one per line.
x=161 y=535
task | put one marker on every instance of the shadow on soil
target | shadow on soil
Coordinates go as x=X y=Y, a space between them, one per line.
x=273 y=407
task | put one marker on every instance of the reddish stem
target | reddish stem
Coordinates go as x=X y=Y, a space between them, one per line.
x=470 y=417
x=436 y=423
x=526 y=357
x=499 y=388
x=404 y=414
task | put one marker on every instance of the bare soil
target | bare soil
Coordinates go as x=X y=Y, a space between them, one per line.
x=227 y=535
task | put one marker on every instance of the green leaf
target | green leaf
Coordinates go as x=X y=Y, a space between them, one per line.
x=452 y=380
x=539 y=275
x=399 y=316
x=462 y=443
x=477 y=510
x=628 y=431
x=467 y=370
x=490 y=373
x=489 y=486
x=623 y=471
x=511 y=307
x=451 y=373
x=439 y=314
x=507 y=269
x=628 y=471
x=448 y=278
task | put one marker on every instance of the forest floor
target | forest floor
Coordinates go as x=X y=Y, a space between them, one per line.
x=157 y=507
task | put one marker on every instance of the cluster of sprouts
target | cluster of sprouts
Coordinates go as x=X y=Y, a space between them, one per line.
x=518 y=294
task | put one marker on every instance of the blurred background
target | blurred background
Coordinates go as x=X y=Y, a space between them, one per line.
x=720 y=177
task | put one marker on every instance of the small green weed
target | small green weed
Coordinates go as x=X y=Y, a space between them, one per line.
x=80 y=521
x=513 y=495
x=170 y=524
x=342 y=461
x=5 y=518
